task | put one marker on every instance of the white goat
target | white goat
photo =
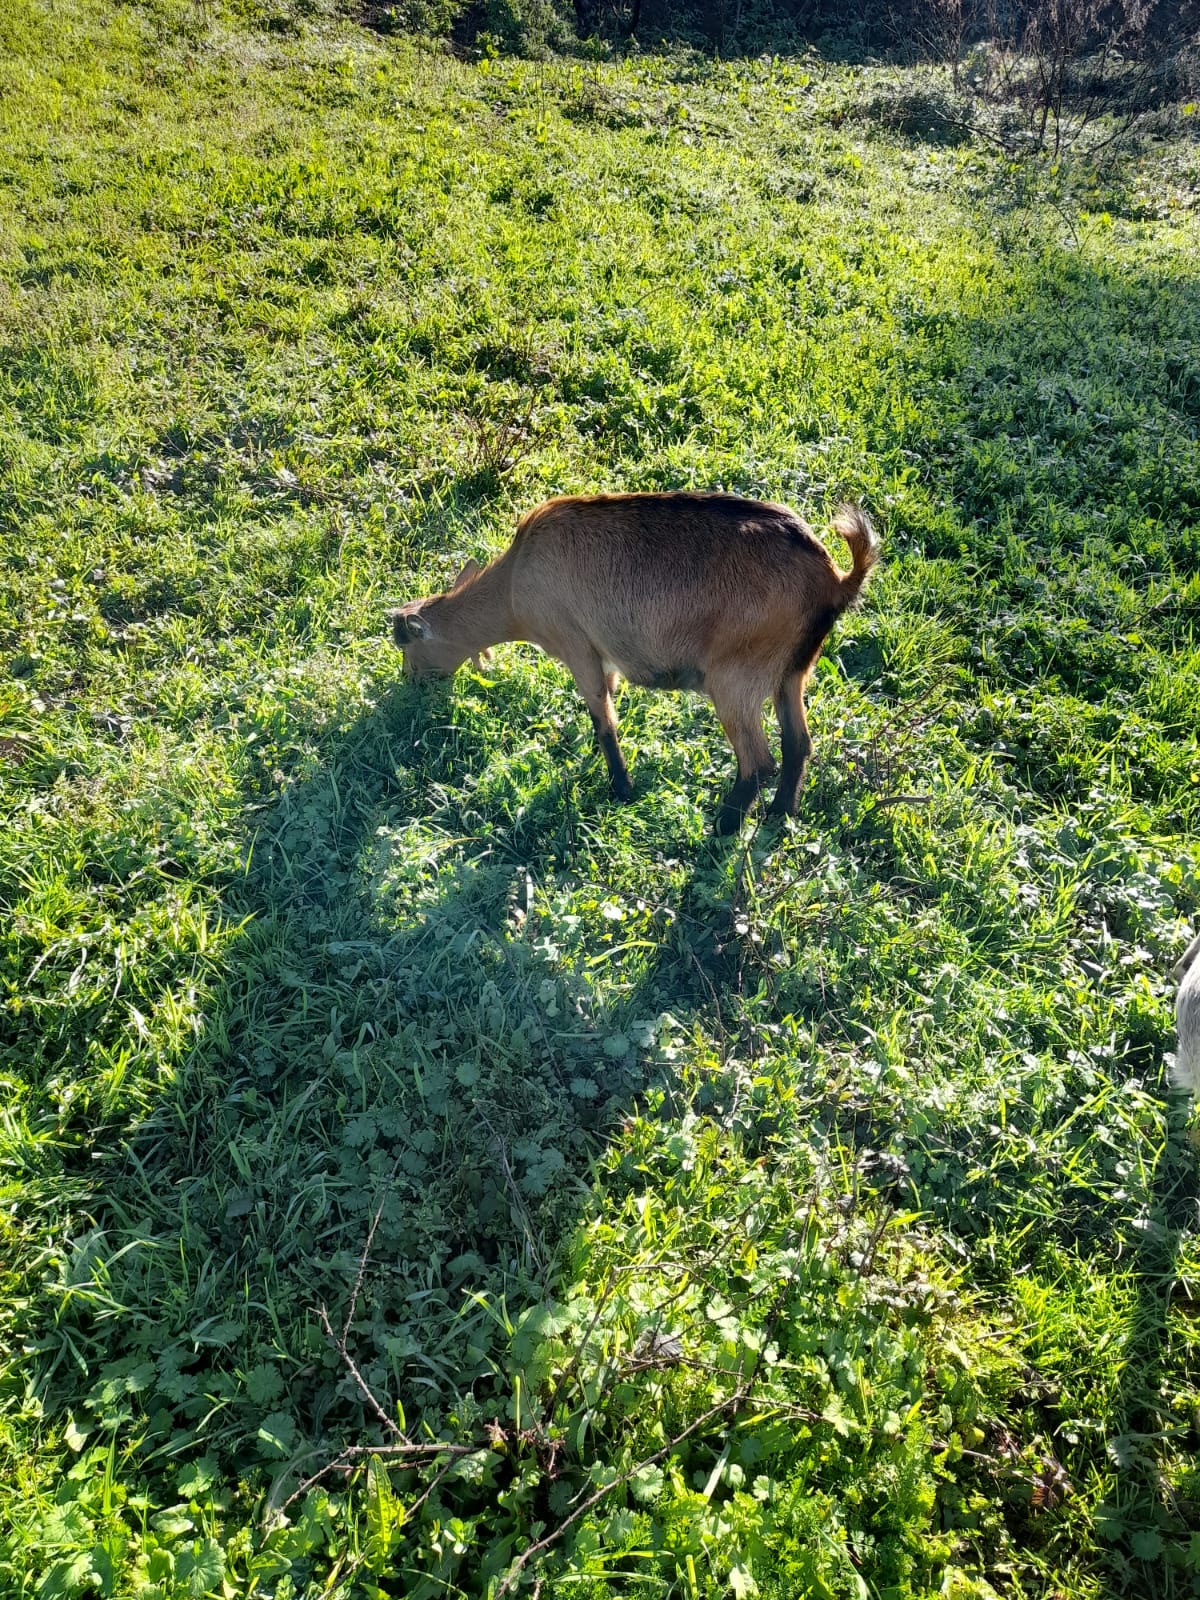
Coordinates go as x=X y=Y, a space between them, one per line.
x=1187 y=1019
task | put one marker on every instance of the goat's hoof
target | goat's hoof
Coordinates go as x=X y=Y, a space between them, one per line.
x=729 y=820
x=622 y=791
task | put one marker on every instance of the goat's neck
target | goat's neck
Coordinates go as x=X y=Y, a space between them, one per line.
x=479 y=614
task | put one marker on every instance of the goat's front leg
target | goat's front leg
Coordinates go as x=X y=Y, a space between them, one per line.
x=596 y=688
x=741 y=718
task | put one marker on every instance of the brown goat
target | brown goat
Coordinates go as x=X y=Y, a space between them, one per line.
x=672 y=591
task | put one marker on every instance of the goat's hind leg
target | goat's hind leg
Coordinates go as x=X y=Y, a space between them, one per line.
x=797 y=745
x=741 y=717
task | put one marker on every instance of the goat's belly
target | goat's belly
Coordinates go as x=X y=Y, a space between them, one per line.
x=647 y=677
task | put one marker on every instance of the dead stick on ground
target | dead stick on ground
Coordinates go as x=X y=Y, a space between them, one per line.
x=409 y=1455
x=364 y=1387
x=340 y=1342
x=365 y=1257
x=406 y=1449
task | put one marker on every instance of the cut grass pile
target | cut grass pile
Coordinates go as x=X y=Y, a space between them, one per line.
x=804 y=1212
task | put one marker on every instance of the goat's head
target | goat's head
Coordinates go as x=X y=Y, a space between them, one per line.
x=425 y=631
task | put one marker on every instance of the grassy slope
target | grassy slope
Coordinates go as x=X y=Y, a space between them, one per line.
x=288 y=325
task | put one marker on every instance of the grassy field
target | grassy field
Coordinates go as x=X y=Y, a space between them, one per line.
x=419 y=1175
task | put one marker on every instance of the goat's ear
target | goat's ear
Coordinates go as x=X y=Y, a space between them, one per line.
x=471 y=569
x=410 y=625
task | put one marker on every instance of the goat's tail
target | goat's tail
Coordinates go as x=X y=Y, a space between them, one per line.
x=856 y=528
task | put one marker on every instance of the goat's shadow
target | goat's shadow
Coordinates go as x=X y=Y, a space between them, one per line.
x=403 y=1048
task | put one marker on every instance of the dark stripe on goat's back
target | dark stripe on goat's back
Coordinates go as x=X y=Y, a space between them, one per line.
x=683 y=505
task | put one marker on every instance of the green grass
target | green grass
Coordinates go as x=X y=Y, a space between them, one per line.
x=818 y=1194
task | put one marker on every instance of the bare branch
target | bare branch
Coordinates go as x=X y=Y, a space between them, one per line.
x=364 y=1388
x=411 y=1455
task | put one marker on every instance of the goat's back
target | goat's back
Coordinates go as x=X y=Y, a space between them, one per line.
x=666 y=584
